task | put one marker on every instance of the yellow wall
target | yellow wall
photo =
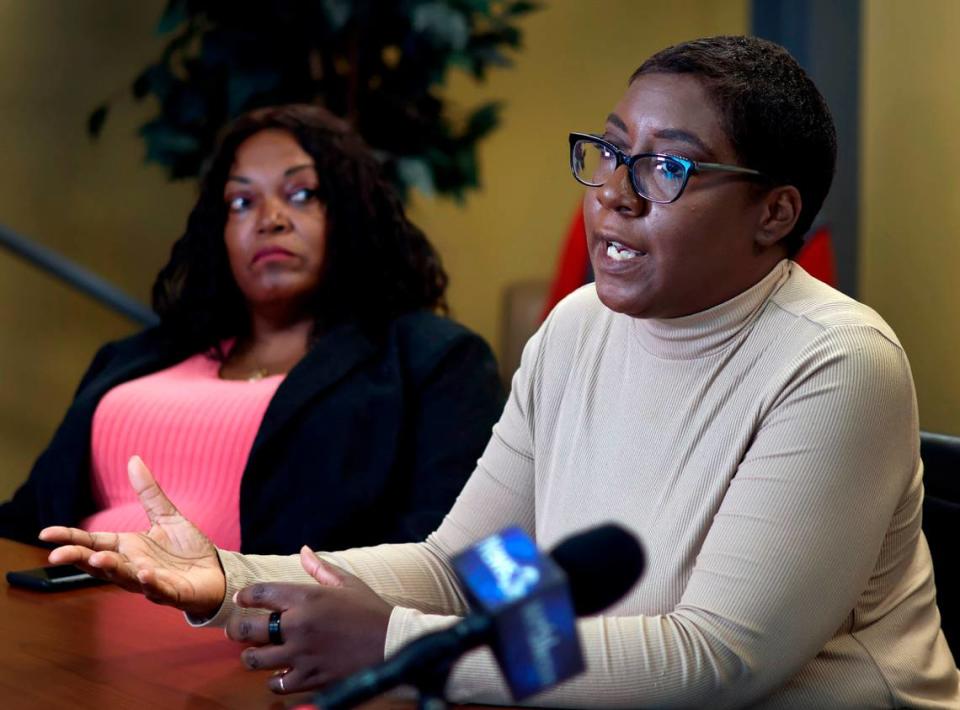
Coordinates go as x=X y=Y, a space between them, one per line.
x=910 y=203
x=95 y=203
x=99 y=204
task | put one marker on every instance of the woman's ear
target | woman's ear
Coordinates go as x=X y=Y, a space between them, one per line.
x=781 y=210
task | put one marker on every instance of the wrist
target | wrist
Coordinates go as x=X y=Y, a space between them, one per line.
x=215 y=592
x=202 y=612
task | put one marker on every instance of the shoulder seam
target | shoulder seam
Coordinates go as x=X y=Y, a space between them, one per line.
x=840 y=326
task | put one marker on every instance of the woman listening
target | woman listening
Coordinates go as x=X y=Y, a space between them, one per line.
x=301 y=385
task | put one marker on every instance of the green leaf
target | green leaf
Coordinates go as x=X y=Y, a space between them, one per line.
x=141 y=85
x=482 y=6
x=521 y=7
x=175 y=13
x=483 y=120
x=415 y=172
x=96 y=120
x=466 y=162
x=155 y=79
x=243 y=86
x=164 y=141
x=445 y=26
x=481 y=56
x=337 y=12
x=510 y=35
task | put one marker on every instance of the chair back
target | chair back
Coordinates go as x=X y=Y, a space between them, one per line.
x=941 y=525
x=521 y=315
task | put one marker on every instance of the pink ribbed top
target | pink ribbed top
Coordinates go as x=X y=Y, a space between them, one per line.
x=193 y=430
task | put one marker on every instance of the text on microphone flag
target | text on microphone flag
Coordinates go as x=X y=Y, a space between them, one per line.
x=527 y=596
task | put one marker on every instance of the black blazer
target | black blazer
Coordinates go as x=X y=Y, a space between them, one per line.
x=369 y=439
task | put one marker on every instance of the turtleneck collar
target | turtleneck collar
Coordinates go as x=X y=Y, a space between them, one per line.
x=706 y=332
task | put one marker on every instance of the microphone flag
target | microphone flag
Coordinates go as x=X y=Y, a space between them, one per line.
x=527 y=596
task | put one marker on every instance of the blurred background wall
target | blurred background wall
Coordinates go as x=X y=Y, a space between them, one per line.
x=97 y=204
x=100 y=205
x=910 y=191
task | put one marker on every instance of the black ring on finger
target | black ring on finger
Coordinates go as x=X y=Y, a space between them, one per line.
x=273 y=628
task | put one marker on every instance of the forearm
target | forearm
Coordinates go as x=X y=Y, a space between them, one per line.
x=408 y=575
x=658 y=661
x=413 y=575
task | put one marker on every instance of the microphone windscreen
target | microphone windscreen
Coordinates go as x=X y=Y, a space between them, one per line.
x=602 y=564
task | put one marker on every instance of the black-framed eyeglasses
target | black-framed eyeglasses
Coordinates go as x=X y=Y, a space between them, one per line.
x=657 y=177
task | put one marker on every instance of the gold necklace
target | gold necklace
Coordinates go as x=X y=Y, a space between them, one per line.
x=257 y=374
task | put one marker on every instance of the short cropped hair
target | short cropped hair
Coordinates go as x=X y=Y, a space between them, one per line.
x=774 y=116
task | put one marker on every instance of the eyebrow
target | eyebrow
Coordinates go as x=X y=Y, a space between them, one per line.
x=286 y=173
x=676 y=134
x=618 y=122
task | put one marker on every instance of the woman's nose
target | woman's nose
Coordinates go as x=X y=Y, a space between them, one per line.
x=273 y=218
x=617 y=194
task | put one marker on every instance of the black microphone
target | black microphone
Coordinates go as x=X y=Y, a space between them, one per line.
x=601 y=565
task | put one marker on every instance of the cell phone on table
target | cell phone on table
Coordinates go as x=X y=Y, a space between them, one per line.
x=52 y=578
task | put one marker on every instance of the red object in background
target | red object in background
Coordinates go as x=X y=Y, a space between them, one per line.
x=816 y=257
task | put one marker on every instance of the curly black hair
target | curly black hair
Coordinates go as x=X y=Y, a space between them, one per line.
x=775 y=117
x=377 y=263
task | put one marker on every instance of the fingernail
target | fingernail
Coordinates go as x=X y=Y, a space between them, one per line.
x=235 y=597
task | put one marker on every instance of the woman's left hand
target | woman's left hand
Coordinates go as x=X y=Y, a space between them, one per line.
x=329 y=629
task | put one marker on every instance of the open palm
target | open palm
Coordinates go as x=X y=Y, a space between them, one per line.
x=172 y=563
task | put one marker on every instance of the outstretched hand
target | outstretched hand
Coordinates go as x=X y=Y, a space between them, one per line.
x=172 y=563
x=329 y=629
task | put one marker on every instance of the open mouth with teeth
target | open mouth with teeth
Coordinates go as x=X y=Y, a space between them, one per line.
x=618 y=252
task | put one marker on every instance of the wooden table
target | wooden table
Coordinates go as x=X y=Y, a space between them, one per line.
x=102 y=648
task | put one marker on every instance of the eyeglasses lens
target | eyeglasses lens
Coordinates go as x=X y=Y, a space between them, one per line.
x=659 y=178
x=593 y=163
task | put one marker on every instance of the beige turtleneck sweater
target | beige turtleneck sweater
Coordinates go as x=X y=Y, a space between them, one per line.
x=766 y=453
